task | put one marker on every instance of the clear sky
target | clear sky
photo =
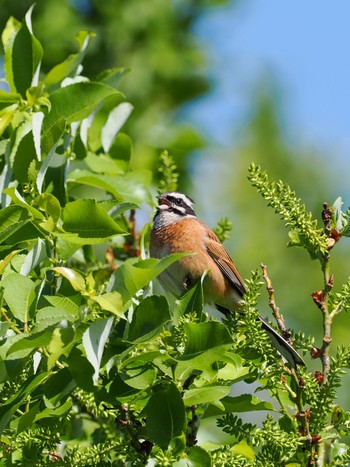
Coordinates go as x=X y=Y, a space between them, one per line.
x=306 y=43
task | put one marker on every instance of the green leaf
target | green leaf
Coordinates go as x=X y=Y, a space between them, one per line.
x=50 y=205
x=64 y=303
x=241 y=403
x=23 y=54
x=60 y=411
x=58 y=386
x=112 y=302
x=35 y=256
x=113 y=76
x=94 y=340
x=104 y=163
x=8 y=409
x=76 y=280
x=192 y=301
x=19 y=294
x=23 y=151
x=140 y=375
x=76 y=101
x=26 y=420
x=205 y=394
x=27 y=343
x=165 y=415
x=69 y=67
x=116 y=119
x=121 y=149
x=61 y=338
x=204 y=336
x=49 y=315
x=130 y=186
x=148 y=319
x=12 y=218
x=81 y=370
x=85 y=222
x=197 y=457
x=132 y=276
x=17 y=199
x=6 y=261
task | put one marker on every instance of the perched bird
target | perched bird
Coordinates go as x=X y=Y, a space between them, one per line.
x=176 y=229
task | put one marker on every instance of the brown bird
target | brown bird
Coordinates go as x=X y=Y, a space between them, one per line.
x=176 y=229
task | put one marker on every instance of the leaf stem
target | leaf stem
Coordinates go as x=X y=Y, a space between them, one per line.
x=13 y=326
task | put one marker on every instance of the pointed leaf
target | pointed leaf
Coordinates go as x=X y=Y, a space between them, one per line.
x=75 y=102
x=113 y=76
x=23 y=53
x=132 y=276
x=94 y=340
x=192 y=301
x=61 y=338
x=64 y=303
x=27 y=343
x=76 y=280
x=205 y=394
x=112 y=302
x=34 y=257
x=85 y=222
x=241 y=403
x=130 y=186
x=12 y=218
x=116 y=119
x=49 y=315
x=17 y=199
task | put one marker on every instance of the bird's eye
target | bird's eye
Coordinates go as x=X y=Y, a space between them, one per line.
x=178 y=201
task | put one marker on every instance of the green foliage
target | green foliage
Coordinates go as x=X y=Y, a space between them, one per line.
x=95 y=368
x=223 y=229
x=303 y=229
x=168 y=172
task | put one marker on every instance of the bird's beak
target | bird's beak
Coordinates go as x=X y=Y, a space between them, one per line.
x=163 y=200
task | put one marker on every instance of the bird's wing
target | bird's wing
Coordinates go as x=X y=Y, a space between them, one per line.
x=218 y=253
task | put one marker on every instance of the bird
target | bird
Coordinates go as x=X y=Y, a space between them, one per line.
x=177 y=229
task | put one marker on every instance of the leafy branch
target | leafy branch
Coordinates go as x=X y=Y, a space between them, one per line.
x=319 y=390
x=303 y=229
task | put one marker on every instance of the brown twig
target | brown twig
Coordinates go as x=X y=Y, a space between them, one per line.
x=272 y=304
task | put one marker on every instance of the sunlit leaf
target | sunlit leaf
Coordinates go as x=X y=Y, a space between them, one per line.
x=34 y=257
x=19 y=293
x=205 y=394
x=21 y=68
x=76 y=280
x=94 y=340
x=114 y=123
x=133 y=276
x=112 y=302
x=85 y=222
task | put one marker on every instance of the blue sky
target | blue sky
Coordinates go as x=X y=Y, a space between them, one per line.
x=304 y=43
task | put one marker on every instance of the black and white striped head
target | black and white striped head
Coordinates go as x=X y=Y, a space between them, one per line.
x=172 y=207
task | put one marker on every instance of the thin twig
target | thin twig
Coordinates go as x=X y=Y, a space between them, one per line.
x=272 y=304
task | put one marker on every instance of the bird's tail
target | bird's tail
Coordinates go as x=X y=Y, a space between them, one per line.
x=282 y=346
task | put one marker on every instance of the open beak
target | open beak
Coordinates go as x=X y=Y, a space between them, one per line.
x=162 y=200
